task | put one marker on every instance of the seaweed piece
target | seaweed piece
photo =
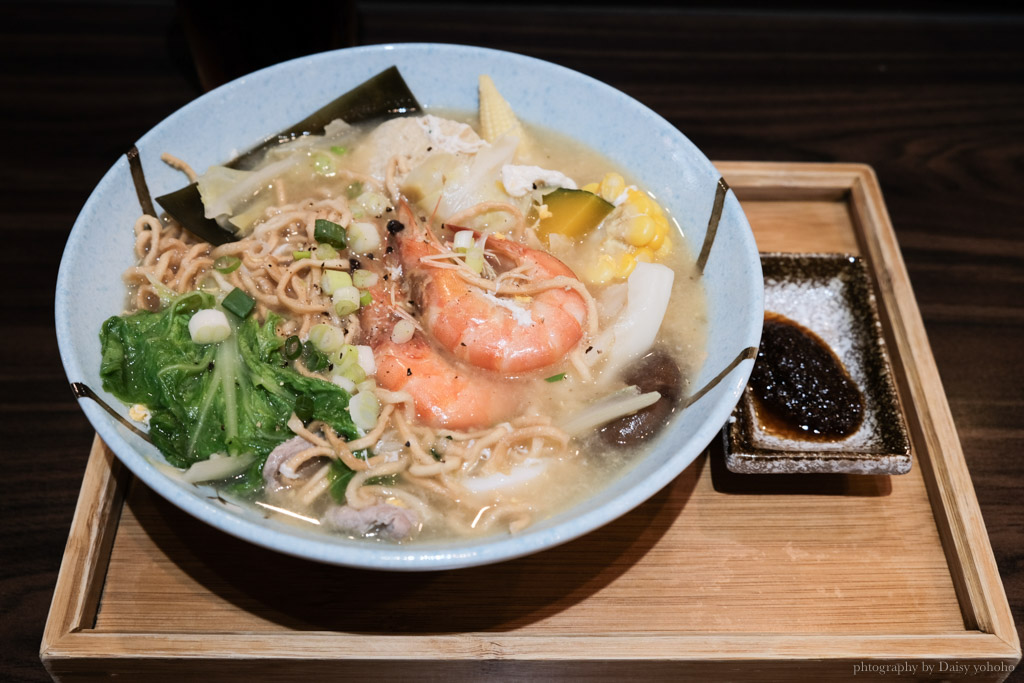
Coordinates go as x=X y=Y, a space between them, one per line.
x=385 y=95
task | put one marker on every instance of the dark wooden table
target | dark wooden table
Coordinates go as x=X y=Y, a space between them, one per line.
x=935 y=103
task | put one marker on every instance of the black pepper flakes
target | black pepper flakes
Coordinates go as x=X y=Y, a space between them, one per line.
x=389 y=250
x=395 y=226
x=354 y=263
x=408 y=372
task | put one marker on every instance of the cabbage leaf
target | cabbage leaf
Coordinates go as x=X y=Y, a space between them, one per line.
x=233 y=397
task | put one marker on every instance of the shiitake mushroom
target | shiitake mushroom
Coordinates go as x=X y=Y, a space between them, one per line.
x=656 y=371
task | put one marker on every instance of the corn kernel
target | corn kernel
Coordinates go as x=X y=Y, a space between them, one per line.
x=664 y=250
x=625 y=266
x=645 y=254
x=641 y=230
x=658 y=239
x=641 y=202
x=591 y=187
x=612 y=186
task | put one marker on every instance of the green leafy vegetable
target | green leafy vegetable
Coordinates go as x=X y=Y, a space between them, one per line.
x=339 y=476
x=231 y=397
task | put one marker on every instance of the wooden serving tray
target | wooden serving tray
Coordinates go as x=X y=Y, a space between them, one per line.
x=720 y=575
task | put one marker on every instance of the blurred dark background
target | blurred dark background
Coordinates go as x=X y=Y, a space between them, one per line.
x=930 y=94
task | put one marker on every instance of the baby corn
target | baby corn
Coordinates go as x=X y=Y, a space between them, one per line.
x=496 y=115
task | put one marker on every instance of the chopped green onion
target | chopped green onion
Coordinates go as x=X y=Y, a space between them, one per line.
x=402 y=331
x=364 y=409
x=299 y=255
x=348 y=355
x=329 y=232
x=354 y=190
x=475 y=259
x=333 y=280
x=326 y=338
x=437 y=455
x=365 y=299
x=463 y=240
x=227 y=264
x=326 y=252
x=209 y=326
x=339 y=150
x=555 y=378
x=373 y=202
x=344 y=382
x=354 y=372
x=364 y=279
x=363 y=237
x=346 y=300
x=292 y=347
x=239 y=303
x=323 y=165
x=313 y=359
x=304 y=408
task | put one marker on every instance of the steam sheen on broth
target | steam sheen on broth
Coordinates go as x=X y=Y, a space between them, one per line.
x=479 y=349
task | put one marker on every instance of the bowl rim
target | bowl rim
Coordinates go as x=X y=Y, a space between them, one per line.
x=360 y=554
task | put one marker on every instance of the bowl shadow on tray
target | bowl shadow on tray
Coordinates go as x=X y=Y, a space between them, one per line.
x=303 y=595
x=724 y=481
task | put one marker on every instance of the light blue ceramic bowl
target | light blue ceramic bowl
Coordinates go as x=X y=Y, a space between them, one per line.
x=240 y=114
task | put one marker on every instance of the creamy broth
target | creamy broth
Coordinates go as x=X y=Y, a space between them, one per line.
x=496 y=485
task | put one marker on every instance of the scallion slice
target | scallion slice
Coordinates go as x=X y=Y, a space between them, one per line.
x=313 y=359
x=292 y=347
x=299 y=255
x=326 y=252
x=330 y=233
x=227 y=264
x=555 y=378
x=239 y=303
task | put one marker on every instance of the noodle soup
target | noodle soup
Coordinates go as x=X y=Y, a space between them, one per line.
x=428 y=328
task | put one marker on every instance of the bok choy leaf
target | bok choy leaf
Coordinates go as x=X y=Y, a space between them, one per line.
x=233 y=397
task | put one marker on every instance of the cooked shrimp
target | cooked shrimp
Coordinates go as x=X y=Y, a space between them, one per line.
x=535 y=327
x=445 y=394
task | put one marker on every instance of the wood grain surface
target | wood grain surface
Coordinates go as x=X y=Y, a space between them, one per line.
x=757 y=574
x=932 y=102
